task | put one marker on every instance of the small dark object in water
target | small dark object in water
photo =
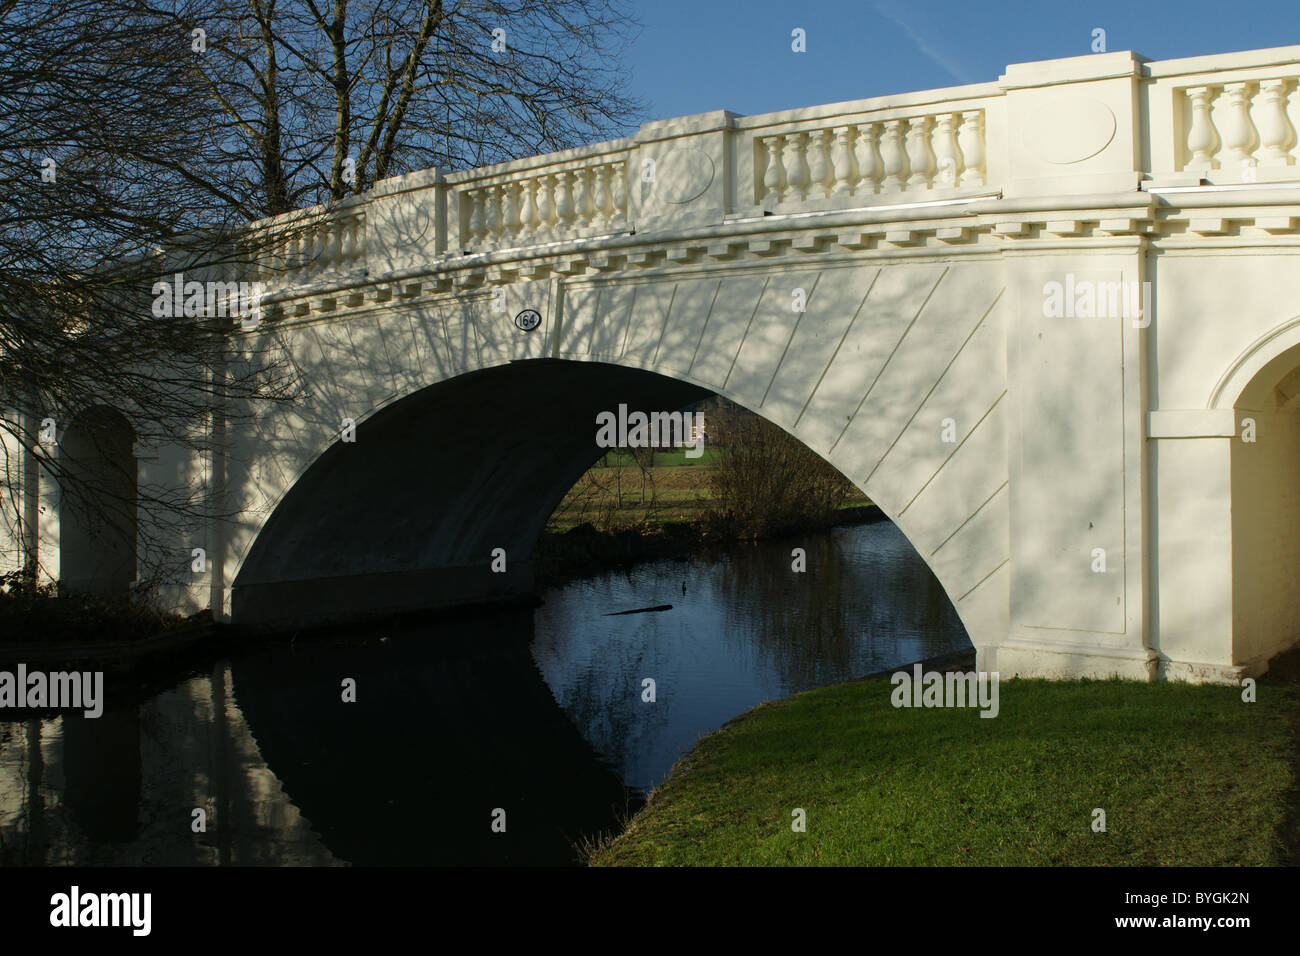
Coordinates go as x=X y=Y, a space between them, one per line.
x=642 y=610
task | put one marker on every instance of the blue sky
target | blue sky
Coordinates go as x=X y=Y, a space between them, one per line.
x=693 y=56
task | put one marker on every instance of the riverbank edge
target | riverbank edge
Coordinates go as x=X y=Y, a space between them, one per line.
x=595 y=852
x=953 y=662
x=193 y=635
x=562 y=557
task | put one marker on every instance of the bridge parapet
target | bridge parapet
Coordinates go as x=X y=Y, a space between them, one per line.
x=872 y=157
x=576 y=194
x=1100 y=127
x=321 y=246
x=1226 y=119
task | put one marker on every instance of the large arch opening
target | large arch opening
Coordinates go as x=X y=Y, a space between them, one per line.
x=98 y=504
x=409 y=514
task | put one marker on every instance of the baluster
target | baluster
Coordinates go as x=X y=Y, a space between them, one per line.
x=970 y=140
x=600 y=198
x=821 y=165
x=1202 y=139
x=563 y=202
x=1238 y=132
x=544 y=208
x=359 y=243
x=325 y=253
x=774 y=177
x=475 y=200
x=337 y=238
x=319 y=242
x=279 y=260
x=302 y=248
x=527 y=210
x=947 y=156
x=348 y=241
x=619 y=174
x=894 y=157
x=581 y=200
x=492 y=217
x=920 y=155
x=867 y=154
x=1276 y=136
x=845 y=169
x=509 y=215
x=796 y=167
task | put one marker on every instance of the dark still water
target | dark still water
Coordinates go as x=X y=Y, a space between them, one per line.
x=540 y=714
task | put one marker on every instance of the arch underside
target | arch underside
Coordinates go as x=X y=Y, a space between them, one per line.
x=408 y=514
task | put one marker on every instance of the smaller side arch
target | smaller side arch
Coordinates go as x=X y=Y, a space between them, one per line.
x=97 y=504
x=1261 y=388
x=1257 y=369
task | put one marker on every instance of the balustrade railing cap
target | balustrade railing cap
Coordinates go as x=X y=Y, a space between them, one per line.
x=1221 y=62
x=851 y=111
x=320 y=211
x=596 y=153
x=420 y=179
x=1072 y=69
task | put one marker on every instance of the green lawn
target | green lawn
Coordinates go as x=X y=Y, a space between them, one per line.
x=1186 y=775
x=676 y=491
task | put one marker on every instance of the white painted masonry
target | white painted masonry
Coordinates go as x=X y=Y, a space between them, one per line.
x=922 y=230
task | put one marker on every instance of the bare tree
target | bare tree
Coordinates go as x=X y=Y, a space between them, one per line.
x=139 y=138
x=322 y=99
x=97 y=101
x=764 y=481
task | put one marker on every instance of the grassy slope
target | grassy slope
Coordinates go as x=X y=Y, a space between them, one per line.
x=1186 y=775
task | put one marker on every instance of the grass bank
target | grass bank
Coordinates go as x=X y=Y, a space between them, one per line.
x=1186 y=775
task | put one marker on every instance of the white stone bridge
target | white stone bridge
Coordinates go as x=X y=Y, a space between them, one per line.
x=938 y=292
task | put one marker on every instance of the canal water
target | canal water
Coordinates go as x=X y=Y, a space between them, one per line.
x=540 y=720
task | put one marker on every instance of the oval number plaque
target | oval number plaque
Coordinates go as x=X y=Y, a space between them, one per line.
x=528 y=319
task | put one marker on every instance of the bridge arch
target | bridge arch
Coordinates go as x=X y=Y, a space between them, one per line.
x=894 y=375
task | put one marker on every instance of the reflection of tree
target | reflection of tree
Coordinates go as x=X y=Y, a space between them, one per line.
x=847 y=615
x=604 y=700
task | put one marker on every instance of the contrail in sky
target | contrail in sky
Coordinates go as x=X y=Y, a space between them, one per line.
x=930 y=52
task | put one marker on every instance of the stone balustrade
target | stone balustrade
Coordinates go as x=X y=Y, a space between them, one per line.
x=303 y=249
x=1109 y=124
x=572 y=201
x=862 y=160
x=1242 y=127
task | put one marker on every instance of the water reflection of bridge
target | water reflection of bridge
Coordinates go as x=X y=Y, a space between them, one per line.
x=288 y=774
x=121 y=789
